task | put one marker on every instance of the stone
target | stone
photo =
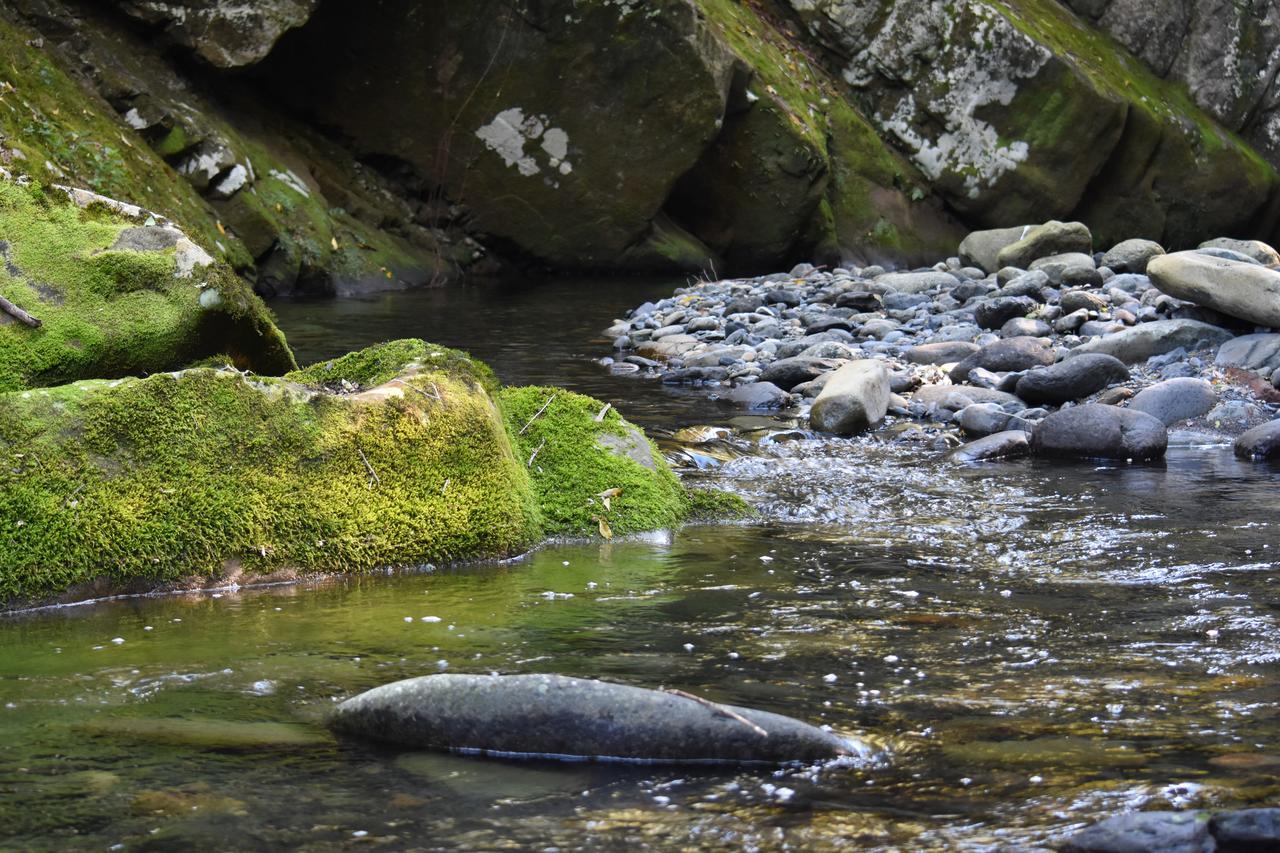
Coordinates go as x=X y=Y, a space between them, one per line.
x=994 y=313
x=787 y=373
x=1009 y=354
x=942 y=352
x=1261 y=442
x=1131 y=256
x=1246 y=829
x=1256 y=249
x=226 y=35
x=859 y=300
x=938 y=395
x=1074 y=300
x=758 y=396
x=1001 y=445
x=671 y=346
x=1072 y=269
x=917 y=282
x=982 y=419
x=1025 y=327
x=1140 y=342
x=1176 y=400
x=855 y=398
x=982 y=248
x=1245 y=291
x=1253 y=352
x=1042 y=241
x=1093 y=431
x=1071 y=380
x=555 y=716
x=1145 y=832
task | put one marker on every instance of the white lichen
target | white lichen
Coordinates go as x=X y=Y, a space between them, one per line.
x=510 y=129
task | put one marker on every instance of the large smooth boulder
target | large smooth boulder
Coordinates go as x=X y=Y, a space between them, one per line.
x=1261 y=442
x=855 y=397
x=1249 y=292
x=1007 y=355
x=1255 y=249
x=1094 y=431
x=1045 y=241
x=1176 y=399
x=555 y=716
x=1131 y=256
x=1071 y=380
x=1140 y=342
x=982 y=248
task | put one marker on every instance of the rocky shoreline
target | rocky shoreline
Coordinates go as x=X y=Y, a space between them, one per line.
x=1028 y=341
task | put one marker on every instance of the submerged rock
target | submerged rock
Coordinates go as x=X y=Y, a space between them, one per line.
x=554 y=716
x=1168 y=832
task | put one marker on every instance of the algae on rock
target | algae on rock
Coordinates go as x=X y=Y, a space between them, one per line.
x=118 y=291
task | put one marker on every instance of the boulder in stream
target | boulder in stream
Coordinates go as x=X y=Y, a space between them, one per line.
x=555 y=716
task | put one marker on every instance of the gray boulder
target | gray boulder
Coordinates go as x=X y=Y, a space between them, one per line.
x=1261 y=442
x=1252 y=352
x=227 y=35
x=982 y=419
x=1074 y=269
x=1094 y=431
x=758 y=396
x=943 y=395
x=1042 y=241
x=982 y=248
x=1001 y=445
x=1071 y=380
x=1246 y=291
x=1010 y=354
x=917 y=282
x=942 y=352
x=1247 y=829
x=1140 y=342
x=787 y=373
x=553 y=716
x=1145 y=832
x=1131 y=256
x=1256 y=249
x=1025 y=327
x=1176 y=400
x=855 y=397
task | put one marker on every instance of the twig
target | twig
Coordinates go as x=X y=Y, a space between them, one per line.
x=536 y=452
x=536 y=415
x=445 y=487
x=373 y=475
x=719 y=709
x=18 y=314
x=67 y=500
x=603 y=412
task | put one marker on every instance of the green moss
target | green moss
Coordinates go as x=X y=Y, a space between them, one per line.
x=107 y=312
x=175 y=475
x=378 y=364
x=573 y=469
x=717 y=505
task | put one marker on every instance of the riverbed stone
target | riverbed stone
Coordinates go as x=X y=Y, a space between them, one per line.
x=1138 y=343
x=917 y=282
x=1255 y=249
x=941 y=352
x=1009 y=354
x=965 y=395
x=855 y=397
x=1042 y=241
x=1001 y=445
x=1145 y=832
x=758 y=396
x=1073 y=269
x=1249 y=292
x=982 y=248
x=1259 y=352
x=1246 y=830
x=1131 y=256
x=787 y=373
x=1094 y=431
x=1025 y=327
x=1261 y=442
x=995 y=312
x=1071 y=380
x=1175 y=400
x=982 y=419
x=1074 y=300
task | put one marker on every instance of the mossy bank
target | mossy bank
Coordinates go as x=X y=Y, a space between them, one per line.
x=401 y=455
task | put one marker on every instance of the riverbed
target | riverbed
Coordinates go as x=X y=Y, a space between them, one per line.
x=1028 y=647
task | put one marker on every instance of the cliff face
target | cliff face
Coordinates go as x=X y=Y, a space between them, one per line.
x=328 y=146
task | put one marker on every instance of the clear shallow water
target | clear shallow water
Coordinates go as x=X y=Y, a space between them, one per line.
x=1028 y=647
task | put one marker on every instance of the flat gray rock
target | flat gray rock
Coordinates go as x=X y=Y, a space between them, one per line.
x=1145 y=832
x=1246 y=291
x=1176 y=400
x=1140 y=342
x=1001 y=445
x=1253 y=352
x=1010 y=354
x=917 y=282
x=554 y=716
x=942 y=352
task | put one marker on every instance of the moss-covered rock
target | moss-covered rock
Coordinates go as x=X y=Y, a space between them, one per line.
x=116 y=291
x=398 y=455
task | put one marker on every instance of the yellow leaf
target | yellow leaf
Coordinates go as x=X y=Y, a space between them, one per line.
x=221 y=230
x=605 y=530
x=334 y=242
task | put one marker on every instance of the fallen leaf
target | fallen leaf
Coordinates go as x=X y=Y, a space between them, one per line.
x=605 y=530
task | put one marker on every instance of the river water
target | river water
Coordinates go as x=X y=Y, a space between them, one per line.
x=1028 y=647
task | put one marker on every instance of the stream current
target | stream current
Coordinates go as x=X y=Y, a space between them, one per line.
x=1029 y=647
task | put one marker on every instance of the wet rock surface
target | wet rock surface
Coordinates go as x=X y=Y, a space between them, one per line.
x=976 y=348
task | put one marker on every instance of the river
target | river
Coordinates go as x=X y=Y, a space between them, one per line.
x=1028 y=647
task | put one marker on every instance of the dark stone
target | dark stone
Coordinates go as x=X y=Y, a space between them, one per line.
x=1247 y=830
x=1145 y=832
x=787 y=373
x=994 y=313
x=1100 y=432
x=741 y=305
x=1001 y=445
x=1072 y=380
x=1261 y=442
x=1007 y=355
x=827 y=323
x=758 y=396
x=789 y=298
x=538 y=716
x=858 y=300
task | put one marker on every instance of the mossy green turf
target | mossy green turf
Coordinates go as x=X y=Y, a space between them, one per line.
x=192 y=473
x=572 y=468
x=108 y=313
